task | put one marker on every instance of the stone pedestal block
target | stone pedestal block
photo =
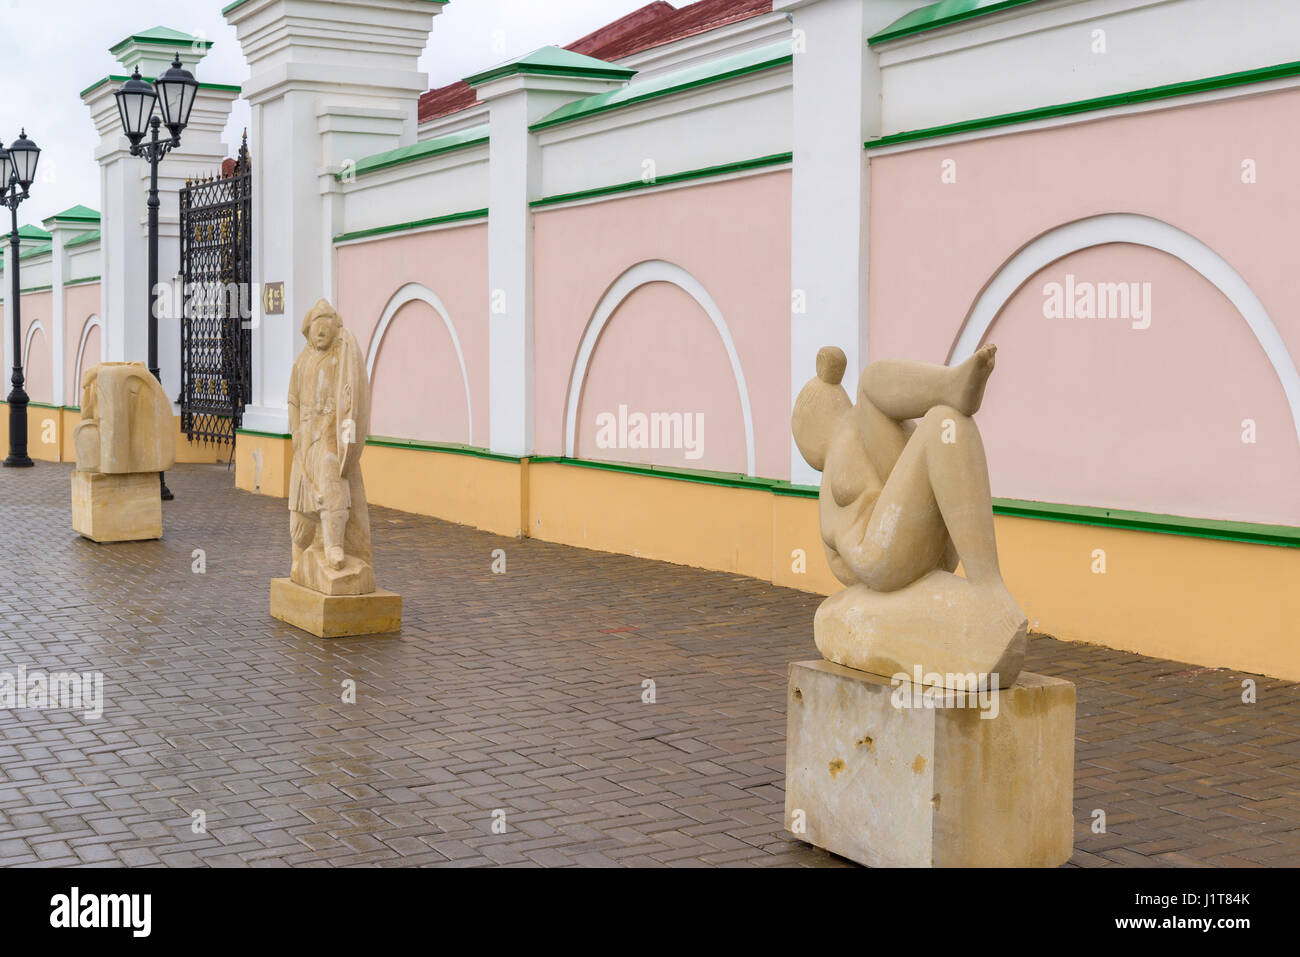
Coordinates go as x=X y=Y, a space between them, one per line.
x=116 y=508
x=875 y=775
x=335 y=616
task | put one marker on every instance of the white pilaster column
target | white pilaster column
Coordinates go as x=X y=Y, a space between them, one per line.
x=58 y=311
x=124 y=184
x=517 y=97
x=330 y=79
x=836 y=109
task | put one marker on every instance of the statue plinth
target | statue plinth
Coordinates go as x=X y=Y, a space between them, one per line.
x=125 y=438
x=116 y=508
x=330 y=590
x=875 y=775
x=335 y=616
x=919 y=741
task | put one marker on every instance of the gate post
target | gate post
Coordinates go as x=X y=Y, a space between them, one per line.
x=124 y=303
x=329 y=82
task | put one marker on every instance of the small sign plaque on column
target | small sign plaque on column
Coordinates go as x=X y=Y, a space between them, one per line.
x=273 y=299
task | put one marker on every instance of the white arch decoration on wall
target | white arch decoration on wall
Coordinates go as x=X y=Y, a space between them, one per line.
x=1141 y=231
x=652 y=270
x=411 y=292
x=91 y=323
x=27 y=343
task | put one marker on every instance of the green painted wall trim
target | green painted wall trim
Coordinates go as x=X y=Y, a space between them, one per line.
x=265 y=435
x=414 y=224
x=1263 y=74
x=116 y=78
x=464 y=139
x=941 y=14
x=82 y=282
x=35 y=289
x=763 y=161
x=451 y=448
x=1248 y=532
x=700 y=476
x=728 y=68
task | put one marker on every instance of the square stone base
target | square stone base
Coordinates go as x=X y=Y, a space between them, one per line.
x=335 y=616
x=116 y=508
x=873 y=775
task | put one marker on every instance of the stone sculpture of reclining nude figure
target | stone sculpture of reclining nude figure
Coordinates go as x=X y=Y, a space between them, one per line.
x=904 y=498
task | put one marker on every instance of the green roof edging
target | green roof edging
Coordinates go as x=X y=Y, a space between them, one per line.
x=1183 y=88
x=776 y=159
x=941 y=14
x=718 y=71
x=117 y=78
x=161 y=36
x=84 y=239
x=414 y=224
x=239 y=3
x=553 y=61
x=462 y=139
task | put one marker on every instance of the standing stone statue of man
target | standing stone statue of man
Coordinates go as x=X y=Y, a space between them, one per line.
x=329 y=418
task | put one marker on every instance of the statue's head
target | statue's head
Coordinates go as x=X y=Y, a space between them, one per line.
x=321 y=325
x=819 y=406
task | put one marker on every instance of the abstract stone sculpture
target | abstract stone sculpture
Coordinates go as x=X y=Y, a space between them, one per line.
x=331 y=586
x=904 y=498
x=125 y=438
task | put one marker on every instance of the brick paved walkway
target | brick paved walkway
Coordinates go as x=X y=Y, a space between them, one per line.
x=520 y=692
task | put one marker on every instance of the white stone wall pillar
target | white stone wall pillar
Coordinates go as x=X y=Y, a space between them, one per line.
x=836 y=109
x=517 y=97
x=331 y=81
x=124 y=185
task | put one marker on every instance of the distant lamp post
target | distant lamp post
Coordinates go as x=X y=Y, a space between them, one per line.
x=172 y=95
x=17 y=171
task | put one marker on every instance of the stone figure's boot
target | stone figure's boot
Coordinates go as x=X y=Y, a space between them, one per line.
x=333 y=525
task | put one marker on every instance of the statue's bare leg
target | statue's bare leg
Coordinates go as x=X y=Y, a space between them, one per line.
x=937 y=476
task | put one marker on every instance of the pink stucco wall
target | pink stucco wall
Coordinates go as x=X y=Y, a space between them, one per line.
x=81 y=303
x=1091 y=411
x=418 y=391
x=659 y=351
x=38 y=365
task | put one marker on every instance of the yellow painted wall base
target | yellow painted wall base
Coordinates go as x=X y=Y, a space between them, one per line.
x=50 y=428
x=262 y=463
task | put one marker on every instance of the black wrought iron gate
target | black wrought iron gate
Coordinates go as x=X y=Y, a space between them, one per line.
x=216 y=269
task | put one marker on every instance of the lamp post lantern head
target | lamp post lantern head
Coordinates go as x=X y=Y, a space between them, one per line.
x=177 y=89
x=136 y=100
x=23 y=157
x=6 y=170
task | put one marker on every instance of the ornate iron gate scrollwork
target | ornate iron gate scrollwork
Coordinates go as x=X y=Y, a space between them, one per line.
x=217 y=274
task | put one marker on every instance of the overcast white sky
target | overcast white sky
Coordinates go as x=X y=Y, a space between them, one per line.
x=51 y=50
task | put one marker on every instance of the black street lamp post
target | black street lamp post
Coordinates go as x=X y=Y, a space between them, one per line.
x=17 y=171
x=173 y=95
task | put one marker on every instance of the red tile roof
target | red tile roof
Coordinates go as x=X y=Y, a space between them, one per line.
x=649 y=26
